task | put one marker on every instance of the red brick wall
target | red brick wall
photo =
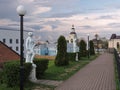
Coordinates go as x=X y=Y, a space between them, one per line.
x=6 y=54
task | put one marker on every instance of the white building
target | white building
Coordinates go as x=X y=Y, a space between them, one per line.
x=46 y=49
x=114 y=42
x=12 y=39
x=72 y=41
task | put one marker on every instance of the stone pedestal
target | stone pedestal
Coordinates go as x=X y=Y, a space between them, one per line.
x=32 y=76
x=76 y=57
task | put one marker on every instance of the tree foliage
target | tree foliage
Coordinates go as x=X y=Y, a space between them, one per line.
x=61 y=58
x=92 y=51
x=82 y=48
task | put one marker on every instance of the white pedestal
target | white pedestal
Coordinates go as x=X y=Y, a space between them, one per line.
x=76 y=57
x=32 y=76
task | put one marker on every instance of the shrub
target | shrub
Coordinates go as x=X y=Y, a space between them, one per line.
x=1 y=76
x=11 y=72
x=79 y=56
x=61 y=57
x=42 y=65
x=82 y=48
x=92 y=51
x=71 y=56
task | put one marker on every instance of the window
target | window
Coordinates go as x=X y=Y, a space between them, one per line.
x=71 y=40
x=17 y=41
x=10 y=40
x=17 y=48
x=118 y=45
x=4 y=40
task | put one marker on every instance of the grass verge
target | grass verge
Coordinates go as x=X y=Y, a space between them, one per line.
x=55 y=73
x=62 y=73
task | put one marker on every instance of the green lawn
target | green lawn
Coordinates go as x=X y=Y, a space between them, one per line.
x=62 y=73
x=56 y=73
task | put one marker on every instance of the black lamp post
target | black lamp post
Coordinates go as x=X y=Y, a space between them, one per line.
x=88 y=48
x=21 y=11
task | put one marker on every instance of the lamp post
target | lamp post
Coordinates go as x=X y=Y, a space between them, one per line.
x=88 y=47
x=21 y=11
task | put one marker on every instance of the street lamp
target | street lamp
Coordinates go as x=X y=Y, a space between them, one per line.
x=88 y=47
x=21 y=11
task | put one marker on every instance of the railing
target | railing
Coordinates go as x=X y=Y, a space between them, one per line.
x=117 y=69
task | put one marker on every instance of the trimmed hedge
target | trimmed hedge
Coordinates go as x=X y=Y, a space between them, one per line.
x=1 y=76
x=71 y=56
x=83 y=54
x=11 y=72
x=42 y=65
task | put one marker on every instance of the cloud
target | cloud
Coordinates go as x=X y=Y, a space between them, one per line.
x=6 y=22
x=51 y=18
x=114 y=25
x=86 y=27
x=105 y=17
x=39 y=10
x=25 y=1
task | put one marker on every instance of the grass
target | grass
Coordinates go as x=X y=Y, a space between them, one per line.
x=62 y=73
x=55 y=73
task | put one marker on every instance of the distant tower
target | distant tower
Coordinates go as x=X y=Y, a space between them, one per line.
x=73 y=38
x=73 y=35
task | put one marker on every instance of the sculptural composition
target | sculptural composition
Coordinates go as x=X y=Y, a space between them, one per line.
x=30 y=44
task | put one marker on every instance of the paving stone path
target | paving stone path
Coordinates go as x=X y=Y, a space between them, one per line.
x=48 y=82
x=98 y=75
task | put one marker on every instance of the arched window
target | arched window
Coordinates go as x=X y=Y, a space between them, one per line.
x=71 y=40
x=118 y=45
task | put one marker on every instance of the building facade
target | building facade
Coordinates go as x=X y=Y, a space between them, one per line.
x=114 y=42
x=12 y=39
x=72 y=41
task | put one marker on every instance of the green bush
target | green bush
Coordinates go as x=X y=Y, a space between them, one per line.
x=79 y=56
x=82 y=48
x=61 y=57
x=11 y=72
x=83 y=53
x=42 y=65
x=71 y=56
x=1 y=76
x=92 y=51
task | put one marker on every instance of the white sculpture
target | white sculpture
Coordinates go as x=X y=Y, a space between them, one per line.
x=30 y=48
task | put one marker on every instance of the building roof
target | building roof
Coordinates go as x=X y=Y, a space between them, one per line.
x=7 y=54
x=72 y=32
x=114 y=36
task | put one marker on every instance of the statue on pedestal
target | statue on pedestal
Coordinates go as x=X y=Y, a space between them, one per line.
x=30 y=44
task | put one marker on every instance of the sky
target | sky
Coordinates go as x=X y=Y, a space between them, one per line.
x=49 y=19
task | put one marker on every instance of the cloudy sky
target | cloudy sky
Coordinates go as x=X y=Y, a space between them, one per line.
x=51 y=18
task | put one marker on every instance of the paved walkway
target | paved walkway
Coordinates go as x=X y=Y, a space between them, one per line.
x=48 y=82
x=98 y=75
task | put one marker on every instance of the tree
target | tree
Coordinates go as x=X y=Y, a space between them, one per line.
x=92 y=51
x=61 y=58
x=82 y=48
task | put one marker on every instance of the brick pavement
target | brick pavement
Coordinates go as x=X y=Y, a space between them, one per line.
x=98 y=75
x=48 y=82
